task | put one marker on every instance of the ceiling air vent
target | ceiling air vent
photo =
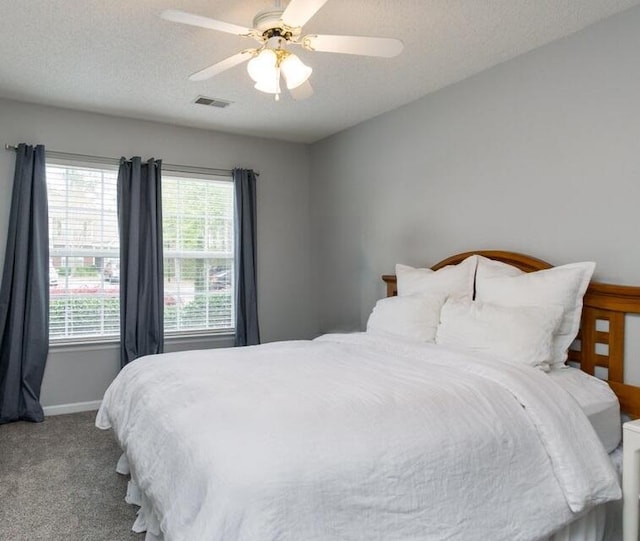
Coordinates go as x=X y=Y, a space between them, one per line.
x=212 y=102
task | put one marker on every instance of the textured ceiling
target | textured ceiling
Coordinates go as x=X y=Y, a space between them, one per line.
x=118 y=57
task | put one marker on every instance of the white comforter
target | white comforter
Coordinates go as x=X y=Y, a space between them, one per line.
x=353 y=437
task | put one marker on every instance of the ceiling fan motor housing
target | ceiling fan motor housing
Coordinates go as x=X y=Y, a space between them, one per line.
x=270 y=23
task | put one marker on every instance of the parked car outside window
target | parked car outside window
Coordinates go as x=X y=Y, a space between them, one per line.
x=53 y=276
x=111 y=273
x=219 y=278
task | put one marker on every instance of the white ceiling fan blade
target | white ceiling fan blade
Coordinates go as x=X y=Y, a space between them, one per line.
x=223 y=65
x=298 y=12
x=385 y=47
x=302 y=92
x=183 y=17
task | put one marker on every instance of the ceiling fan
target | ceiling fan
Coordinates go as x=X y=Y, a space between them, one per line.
x=276 y=29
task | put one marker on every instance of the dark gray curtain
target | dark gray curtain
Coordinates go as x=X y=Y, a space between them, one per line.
x=141 y=268
x=24 y=295
x=247 y=331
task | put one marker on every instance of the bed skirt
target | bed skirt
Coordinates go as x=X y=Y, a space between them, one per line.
x=602 y=523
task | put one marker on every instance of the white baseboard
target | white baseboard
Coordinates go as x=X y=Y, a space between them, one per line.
x=72 y=408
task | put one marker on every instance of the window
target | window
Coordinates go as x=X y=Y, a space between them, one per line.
x=84 y=252
x=198 y=231
x=84 y=269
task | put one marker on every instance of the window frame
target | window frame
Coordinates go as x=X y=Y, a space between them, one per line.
x=174 y=337
x=197 y=173
x=57 y=160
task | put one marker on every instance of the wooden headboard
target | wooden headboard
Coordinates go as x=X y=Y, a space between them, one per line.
x=602 y=303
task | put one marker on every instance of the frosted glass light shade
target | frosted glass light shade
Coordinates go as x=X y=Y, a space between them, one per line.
x=294 y=71
x=270 y=84
x=263 y=66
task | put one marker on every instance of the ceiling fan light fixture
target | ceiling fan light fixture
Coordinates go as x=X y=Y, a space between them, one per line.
x=263 y=66
x=294 y=71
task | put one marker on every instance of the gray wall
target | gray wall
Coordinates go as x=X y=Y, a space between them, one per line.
x=78 y=374
x=539 y=155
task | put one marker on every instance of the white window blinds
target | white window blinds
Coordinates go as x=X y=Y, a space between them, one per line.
x=198 y=232
x=84 y=251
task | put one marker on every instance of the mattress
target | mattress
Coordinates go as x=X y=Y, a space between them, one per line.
x=596 y=399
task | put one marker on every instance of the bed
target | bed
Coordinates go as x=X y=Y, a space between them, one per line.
x=374 y=436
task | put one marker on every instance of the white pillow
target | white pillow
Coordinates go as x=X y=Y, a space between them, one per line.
x=454 y=281
x=519 y=335
x=411 y=317
x=563 y=286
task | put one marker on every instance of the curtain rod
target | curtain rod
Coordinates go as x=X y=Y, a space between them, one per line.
x=115 y=161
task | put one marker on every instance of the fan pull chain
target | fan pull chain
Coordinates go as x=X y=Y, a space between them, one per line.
x=278 y=83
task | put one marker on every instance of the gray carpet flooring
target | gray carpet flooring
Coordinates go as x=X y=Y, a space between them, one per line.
x=58 y=482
